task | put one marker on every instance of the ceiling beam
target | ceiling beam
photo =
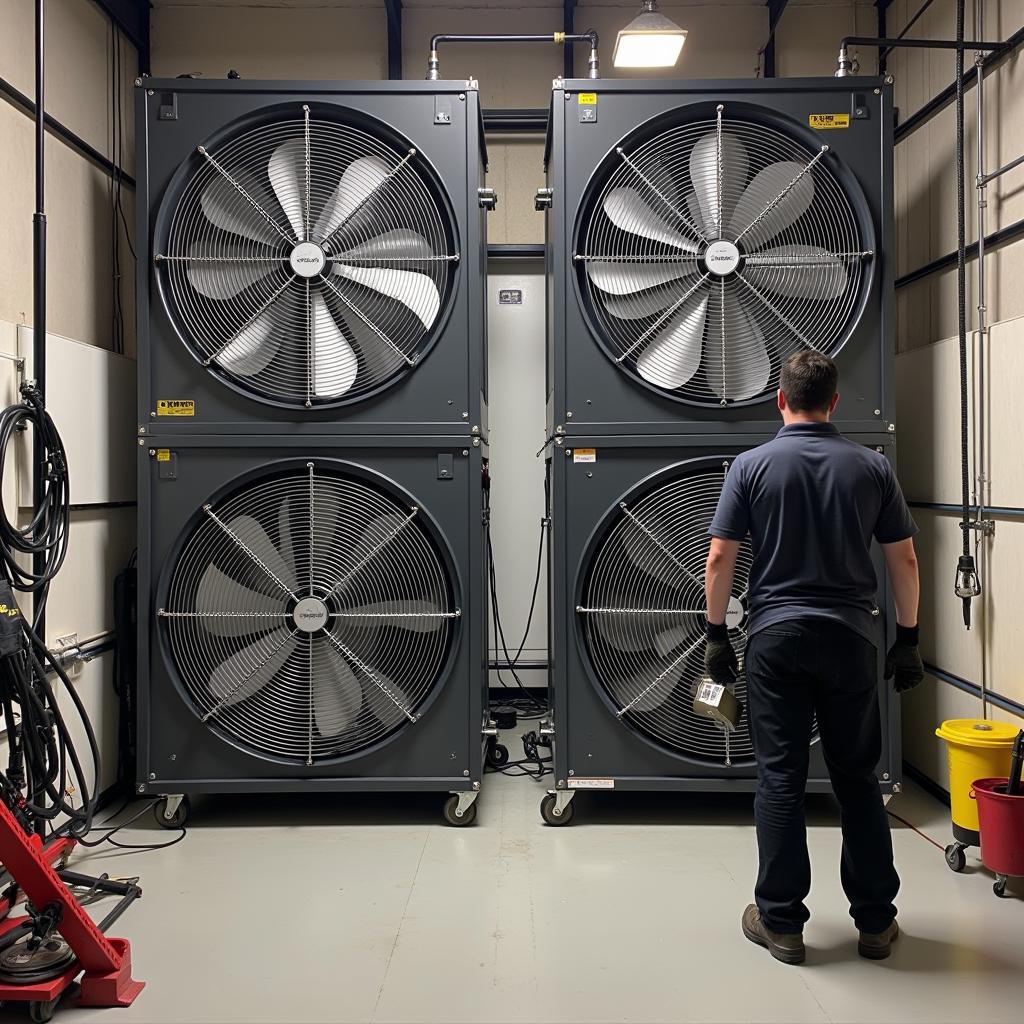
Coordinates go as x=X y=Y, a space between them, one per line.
x=775 y=12
x=132 y=18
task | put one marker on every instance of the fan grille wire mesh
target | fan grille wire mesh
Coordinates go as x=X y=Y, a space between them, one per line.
x=643 y=614
x=308 y=261
x=716 y=250
x=309 y=615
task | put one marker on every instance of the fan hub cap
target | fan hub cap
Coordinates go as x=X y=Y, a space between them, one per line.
x=307 y=259
x=722 y=258
x=310 y=615
x=735 y=613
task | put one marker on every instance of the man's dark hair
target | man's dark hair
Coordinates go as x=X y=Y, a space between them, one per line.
x=809 y=380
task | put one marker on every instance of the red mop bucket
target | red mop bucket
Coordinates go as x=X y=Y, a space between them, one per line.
x=1001 y=820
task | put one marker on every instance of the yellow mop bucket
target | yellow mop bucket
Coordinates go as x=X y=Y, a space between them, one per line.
x=978 y=749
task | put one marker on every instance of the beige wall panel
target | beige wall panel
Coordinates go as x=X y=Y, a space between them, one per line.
x=326 y=42
x=1003 y=621
x=1005 y=371
x=510 y=74
x=516 y=172
x=807 y=37
x=81 y=598
x=944 y=640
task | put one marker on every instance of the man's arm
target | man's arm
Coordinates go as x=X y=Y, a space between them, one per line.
x=718 y=576
x=901 y=562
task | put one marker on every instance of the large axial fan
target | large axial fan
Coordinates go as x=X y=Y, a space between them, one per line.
x=642 y=615
x=307 y=260
x=713 y=252
x=310 y=614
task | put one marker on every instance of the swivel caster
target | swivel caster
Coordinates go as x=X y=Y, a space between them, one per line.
x=173 y=811
x=497 y=754
x=557 y=808
x=956 y=859
x=460 y=809
x=41 y=1011
x=999 y=886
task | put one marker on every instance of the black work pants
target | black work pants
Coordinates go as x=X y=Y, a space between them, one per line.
x=795 y=671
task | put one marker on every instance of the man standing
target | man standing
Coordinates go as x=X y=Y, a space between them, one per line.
x=812 y=502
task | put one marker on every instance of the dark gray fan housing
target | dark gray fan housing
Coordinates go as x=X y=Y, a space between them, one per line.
x=715 y=249
x=310 y=614
x=642 y=613
x=309 y=260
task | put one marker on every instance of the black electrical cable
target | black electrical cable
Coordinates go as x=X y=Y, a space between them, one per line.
x=914 y=828
x=150 y=805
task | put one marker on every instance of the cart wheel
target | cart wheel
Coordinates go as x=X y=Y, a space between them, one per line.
x=468 y=815
x=547 y=811
x=497 y=755
x=178 y=818
x=41 y=1011
x=955 y=857
x=999 y=888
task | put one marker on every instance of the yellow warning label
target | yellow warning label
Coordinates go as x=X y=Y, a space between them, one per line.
x=825 y=121
x=175 y=407
x=588 y=99
x=163 y=455
x=584 y=455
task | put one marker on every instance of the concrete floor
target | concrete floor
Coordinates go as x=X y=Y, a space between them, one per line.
x=368 y=909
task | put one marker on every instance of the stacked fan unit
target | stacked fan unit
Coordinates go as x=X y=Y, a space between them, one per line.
x=698 y=234
x=312 y=424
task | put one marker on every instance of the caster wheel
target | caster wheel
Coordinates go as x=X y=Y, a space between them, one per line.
x=42 y=1010
x=956 y=859
x=999 y=888
x=547 y=811
x=451 y=807
x=175 y=820
x=497 y=755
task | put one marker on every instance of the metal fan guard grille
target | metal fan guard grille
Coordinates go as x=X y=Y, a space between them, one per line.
x=715 y=250
x=309 y=261
x=309 y=615
x=643 y=612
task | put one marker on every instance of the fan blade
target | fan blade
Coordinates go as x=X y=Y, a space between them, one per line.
x=226 y=208
x=660 y=558
x=403 y=614
x=704 y=175
x=658 y=694
x=378 y=357
x=218 y=593
x=668 y=641
x=384 y=709
x=337 y=695
x=766 y=186
x=640 y=305
x=822 y=276
x=256 y=539
x=412 y=289
x=361 y=179
x=224 y=280
x=742 y=371
x=377 y=534
x=287 y=173
x=284 y=536
x=630 y=631
x=245 y=673
x=629 y=278
x=398 y=244
x=335 y=365
x=628 y=211
x=673 y=356
x=252 y=349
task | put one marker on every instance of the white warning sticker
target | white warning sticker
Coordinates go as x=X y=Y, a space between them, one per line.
x=710 y=693
x=584 y=455
x=577 y=783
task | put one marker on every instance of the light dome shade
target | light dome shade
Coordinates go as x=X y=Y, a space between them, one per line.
x=650 y=40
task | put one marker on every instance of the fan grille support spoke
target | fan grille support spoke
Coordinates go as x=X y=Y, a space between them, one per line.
x=671 y=207
x=253 y=557
x=371 y=675
x=244 y=194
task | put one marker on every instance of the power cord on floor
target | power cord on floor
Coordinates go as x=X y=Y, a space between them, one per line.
x=533 y=765
x=134 y=847
x=914 y=828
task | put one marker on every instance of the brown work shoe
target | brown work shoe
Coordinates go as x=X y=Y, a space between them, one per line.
x=787 y=948
x=878 y=946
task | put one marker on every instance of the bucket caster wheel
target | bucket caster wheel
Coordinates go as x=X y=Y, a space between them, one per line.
x=41 y=1010
x=956 y=859
x=556 y=815
x=173 y=811
x=999 y=887
x=497 y=755
x=456 y=816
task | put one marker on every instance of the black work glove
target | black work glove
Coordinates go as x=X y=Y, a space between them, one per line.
x=903 y=662
x=719 y=658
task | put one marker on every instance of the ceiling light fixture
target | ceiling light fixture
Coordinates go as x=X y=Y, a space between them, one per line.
x=650 y=40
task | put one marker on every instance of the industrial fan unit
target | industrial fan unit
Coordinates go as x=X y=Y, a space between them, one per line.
x=315 y=620
x=315 y=257
x=629 y=543
x=700 y=234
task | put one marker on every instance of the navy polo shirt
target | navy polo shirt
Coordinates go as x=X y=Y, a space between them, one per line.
x=812 y=501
